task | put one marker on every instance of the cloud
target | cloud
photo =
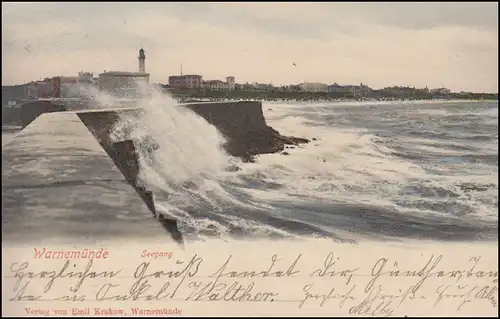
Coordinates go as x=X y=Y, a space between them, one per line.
x=379 y=44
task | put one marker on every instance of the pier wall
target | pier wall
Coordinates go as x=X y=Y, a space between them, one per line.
x=67 y=159
x=241 y=122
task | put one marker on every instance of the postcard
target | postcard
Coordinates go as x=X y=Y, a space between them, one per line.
x=249 y=159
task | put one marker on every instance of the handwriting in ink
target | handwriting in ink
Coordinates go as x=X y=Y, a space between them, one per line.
x=328 y=269
x=236 y=291
x=20 y=274
x=332 y=294
x=466 y=294
x=379 y=270
x=269 y=272
x=136 y=292
x=189 y=270
x=374 y=304
x=360 y=292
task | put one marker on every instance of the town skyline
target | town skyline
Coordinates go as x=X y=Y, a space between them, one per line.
x=166 y=82
x=93 y=75
x=434 y=49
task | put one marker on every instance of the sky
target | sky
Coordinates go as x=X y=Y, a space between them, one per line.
x=453 y=45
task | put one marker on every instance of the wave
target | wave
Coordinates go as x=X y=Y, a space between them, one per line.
x=348 y=184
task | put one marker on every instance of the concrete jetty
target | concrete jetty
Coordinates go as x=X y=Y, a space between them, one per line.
x=58 y=181
x=64 y=176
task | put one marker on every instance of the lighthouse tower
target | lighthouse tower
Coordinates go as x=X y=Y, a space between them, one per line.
x=142 y=61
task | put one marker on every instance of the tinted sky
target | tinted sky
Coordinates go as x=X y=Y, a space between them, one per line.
x=452 y=45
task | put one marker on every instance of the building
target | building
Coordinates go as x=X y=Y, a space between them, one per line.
x=230 y=80
x=40 y=89
x=313 y=87
x=86 y=86
x=263 y=87
x=194 y=81
x=247 y=87
x=360 y=90
x=63 y=86
x=215 y=85
x=85 y=77
x=123 y=84
x=218 y=85
x=336 y=88
x=66 y=86
x=72 y=86
x=191 y=81
x=57 y=86
x=126 y=84
x=442 y=91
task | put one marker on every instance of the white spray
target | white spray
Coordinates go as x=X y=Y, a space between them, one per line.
x=178 y=148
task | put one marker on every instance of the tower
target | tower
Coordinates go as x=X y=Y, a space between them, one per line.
x=142 y=61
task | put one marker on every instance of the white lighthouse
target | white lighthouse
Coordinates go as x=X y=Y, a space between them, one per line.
x=142 y=61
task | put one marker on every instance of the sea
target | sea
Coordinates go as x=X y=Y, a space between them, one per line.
x=396 y=170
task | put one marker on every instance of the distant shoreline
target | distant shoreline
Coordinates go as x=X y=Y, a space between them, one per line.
x=322 y=96
x=17 y=93
x=184 y=99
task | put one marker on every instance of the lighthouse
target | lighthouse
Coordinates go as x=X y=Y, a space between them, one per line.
x=142 y=61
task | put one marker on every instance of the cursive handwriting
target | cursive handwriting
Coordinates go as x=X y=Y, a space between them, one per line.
x=188 y=270
x=324 y=297
x=380 y=270
x=19 y=272
x=428 y=270
x=142 y=291
x=466 y=294
x=269 y=272
x=378 y=289
x=329 y=270
x=375 y=303
x=236 y=291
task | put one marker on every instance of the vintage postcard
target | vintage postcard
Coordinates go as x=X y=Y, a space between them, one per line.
x=249 y=159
